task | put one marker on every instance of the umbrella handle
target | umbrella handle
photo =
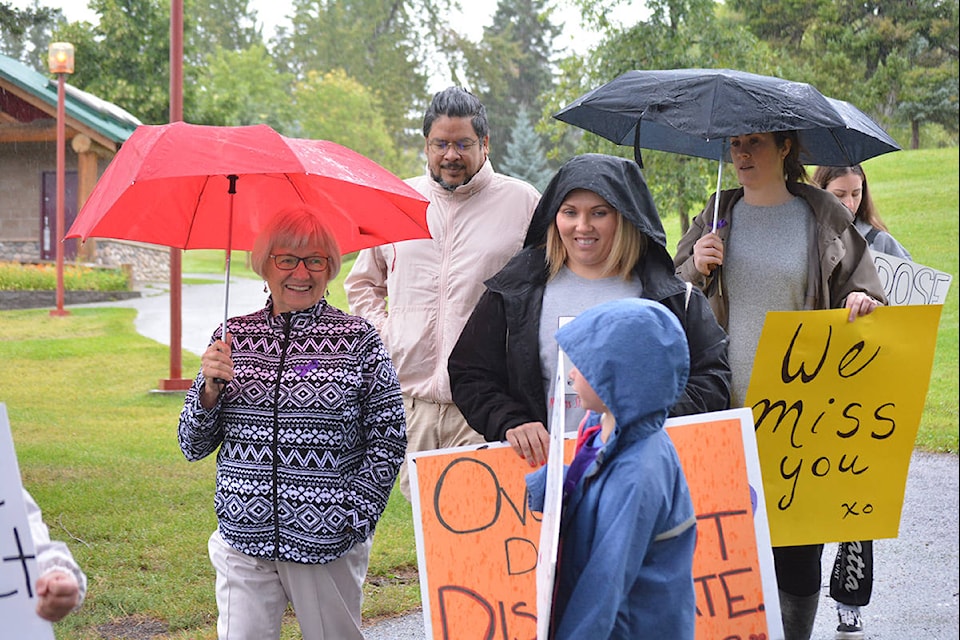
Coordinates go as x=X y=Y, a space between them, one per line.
x=232 y=190
x=716 y=198
x=716 y=207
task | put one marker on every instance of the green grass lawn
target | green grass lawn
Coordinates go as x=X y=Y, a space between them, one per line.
x=98 y=449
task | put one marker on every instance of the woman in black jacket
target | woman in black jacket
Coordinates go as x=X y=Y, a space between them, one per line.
x=595 y=236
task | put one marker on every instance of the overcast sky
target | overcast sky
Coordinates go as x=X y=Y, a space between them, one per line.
x=477 y=14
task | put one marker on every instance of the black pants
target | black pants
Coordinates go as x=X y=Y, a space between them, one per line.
x=798 y=569
x=852 y=579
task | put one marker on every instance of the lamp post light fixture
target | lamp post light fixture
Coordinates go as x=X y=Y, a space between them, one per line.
x=60 y=62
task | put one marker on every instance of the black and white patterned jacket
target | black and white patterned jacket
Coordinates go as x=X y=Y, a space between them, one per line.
x=311 y=434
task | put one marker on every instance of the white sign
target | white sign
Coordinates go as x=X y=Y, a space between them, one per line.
x=553 y=507
x=18 y=564
x=906 y=282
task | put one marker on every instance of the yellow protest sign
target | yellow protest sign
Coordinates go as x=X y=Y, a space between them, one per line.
x=477 y=540
x=837 y=405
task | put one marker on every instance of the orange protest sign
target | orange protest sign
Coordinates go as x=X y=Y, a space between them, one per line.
x=476 y=543
x=727 y=566
x=477 y=540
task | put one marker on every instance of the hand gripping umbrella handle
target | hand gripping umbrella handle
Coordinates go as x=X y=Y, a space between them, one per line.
x=716 y=206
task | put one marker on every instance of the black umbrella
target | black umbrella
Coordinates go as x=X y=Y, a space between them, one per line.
x=694 y=111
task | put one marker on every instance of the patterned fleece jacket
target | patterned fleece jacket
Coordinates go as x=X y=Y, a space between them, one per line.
x=310 y=434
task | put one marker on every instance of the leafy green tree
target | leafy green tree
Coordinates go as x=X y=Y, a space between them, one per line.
x=676 y=34
x=516 y=69
x=895 y=60
x=25 y=33
x=782 y=22
x=228 y=25
x=928 y=95
x=241 y=88
x=377 y=43
x=525 y=157
x=228 y=75
x=125 y=58
x=333 y=106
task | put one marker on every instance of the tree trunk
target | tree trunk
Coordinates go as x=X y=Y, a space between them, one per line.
x=914 y=134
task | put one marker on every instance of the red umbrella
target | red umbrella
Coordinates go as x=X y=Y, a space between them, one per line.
x=177 y=184
x=208 y=187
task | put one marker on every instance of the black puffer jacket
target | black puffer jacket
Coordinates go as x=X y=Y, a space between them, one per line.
x=495 y=370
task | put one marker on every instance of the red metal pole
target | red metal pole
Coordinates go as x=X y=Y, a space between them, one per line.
x=176 y=381
x=61 y=189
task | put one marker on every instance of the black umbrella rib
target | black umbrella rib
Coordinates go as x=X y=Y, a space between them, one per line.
x=841 y=146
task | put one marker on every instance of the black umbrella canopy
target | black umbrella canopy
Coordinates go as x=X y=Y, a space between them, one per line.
x=693 y=111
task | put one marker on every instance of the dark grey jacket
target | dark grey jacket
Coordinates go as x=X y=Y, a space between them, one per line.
x=495 y=372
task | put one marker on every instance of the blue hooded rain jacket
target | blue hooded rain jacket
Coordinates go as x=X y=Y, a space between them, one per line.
x=628 y=527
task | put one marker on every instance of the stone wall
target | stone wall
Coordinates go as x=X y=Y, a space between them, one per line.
x=19 y=251
x=147 y=262
x=39 y=299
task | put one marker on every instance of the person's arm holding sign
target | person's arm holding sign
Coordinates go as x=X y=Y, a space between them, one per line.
x=61 y=586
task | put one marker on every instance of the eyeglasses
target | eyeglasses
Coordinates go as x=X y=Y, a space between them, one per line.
x=440 y=147
x=287 y=262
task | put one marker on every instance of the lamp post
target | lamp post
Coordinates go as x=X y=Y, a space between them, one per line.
x=60 y=62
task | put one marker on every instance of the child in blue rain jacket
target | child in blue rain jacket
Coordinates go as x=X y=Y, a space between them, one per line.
x=628 y=528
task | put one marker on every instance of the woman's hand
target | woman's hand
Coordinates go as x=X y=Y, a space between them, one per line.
x=708 y=253
x=217 y=368
x=530 y=441
x=860 y=304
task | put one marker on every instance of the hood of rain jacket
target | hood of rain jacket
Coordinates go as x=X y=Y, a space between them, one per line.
x=617 y=180
x=608 y=343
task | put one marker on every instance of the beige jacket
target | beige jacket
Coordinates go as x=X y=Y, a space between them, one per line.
x=433 y=285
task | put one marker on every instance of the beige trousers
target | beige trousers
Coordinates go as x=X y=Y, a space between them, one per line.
x=431 y=425
x=253 y=593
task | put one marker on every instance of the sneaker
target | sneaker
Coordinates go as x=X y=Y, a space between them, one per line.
x=851 y=624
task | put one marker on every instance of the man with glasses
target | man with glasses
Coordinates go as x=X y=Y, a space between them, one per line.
x=419 y=293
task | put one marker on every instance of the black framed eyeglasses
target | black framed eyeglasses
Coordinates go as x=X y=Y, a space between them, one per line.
x=440 y=147
x=287 y=262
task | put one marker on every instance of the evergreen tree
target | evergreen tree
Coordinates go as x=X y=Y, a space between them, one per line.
x=377 y=43
x=514 y=65
x=898 y=61
x=525 y=157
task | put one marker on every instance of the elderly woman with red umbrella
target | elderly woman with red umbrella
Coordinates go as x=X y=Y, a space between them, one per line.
x=777 y=245
x=303 y=403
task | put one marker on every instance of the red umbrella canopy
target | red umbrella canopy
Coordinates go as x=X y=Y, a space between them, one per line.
x=171 y=185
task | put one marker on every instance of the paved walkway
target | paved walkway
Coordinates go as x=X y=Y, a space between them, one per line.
x=201 y=305
x=917 y=575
